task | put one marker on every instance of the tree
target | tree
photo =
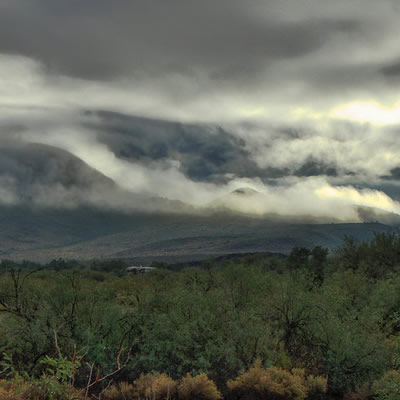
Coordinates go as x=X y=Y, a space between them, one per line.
x=298 y=257
x=319 y=257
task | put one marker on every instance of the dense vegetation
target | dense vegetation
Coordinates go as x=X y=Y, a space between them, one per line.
x=311 y=325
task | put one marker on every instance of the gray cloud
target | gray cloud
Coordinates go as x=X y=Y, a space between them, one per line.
x=99 y=39
x=392 y=70
x=224 y=45
x=204 y=152
x=186 y=51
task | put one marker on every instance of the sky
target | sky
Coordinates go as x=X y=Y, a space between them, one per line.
x=190 y=101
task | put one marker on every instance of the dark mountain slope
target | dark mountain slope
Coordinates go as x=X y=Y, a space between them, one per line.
x=30 y=165
x=43 y=234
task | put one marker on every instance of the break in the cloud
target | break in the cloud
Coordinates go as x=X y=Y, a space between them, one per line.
x=295 y=99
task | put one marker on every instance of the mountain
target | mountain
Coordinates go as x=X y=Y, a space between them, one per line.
x=55 y=205
x=244 y=200
x=84 y=233
x=42 y=176
x=32 y=164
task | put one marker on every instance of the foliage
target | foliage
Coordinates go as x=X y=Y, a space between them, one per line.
x=314 y=318
x=388 y=388
x=316 y=386
x=273 y=383
x=155 y=386
x=37 y=389
x=198 y=387
x=122 y=391
x=377 y=258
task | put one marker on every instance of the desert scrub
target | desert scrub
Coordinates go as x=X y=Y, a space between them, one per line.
x=198 y=387
x=275 y=383
x=122 y=391
x=155 y=386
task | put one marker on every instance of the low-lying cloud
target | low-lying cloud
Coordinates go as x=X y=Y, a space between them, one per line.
x=265 y=109
x=70 y=162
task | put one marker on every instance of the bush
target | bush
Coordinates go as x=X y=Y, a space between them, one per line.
x=316 y=385
x=46 y=390
x=276 y=383
x=36 y=389
x=123 y=391
x=363 y=393
x=198 y=387
x=112 y=393
x=388 y=388
x=7 y=390
x=155 y=386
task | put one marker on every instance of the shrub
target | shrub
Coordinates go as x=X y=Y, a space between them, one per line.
x=7 y=391
x=36 y=389
x=46 y=390
x=364 y=393
x=198 y=387
x=123 y=391
x=388 y=388
x=155 y=386
x=271 y=383
x=112 y=393
x=316 y=385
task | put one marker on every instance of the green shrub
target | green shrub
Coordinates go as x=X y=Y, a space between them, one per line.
x=316 y=385
x=388 y=388
x=47 y=389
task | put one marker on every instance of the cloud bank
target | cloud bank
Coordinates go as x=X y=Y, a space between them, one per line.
x=188 y=102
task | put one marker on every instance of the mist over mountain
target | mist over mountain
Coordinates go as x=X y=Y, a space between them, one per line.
x=32 y=166
x=54 y=204
x=130 y=163
x=40 y=176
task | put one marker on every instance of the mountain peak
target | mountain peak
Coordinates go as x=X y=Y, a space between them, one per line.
x=245 y=191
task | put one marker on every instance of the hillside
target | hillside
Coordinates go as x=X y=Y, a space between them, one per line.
x=43 y=234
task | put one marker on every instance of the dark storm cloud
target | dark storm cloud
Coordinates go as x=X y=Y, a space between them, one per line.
x=205 y=152
x=104 y=39
x=315 y=168
x=394 y=174
x=204 y=61
x=392 y=70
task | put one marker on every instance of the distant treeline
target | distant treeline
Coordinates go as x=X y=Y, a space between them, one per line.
x=313 y=325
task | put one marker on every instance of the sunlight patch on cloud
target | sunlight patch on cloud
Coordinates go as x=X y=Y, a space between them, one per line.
x=371 y=112
x=366 y=197
x=251 y=112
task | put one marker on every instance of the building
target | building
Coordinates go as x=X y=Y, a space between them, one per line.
x=139 y=269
